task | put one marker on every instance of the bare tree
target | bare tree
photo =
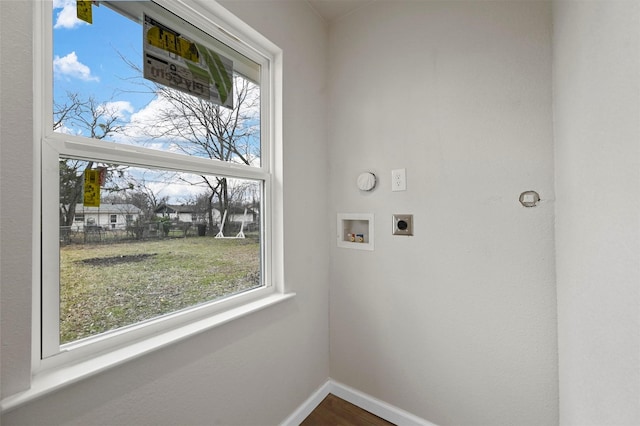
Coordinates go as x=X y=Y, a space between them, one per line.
x=200 y=128
x=61 y=111
x=93 y=119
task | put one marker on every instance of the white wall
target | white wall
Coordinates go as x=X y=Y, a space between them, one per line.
x=16 y=177
x=256 y=370
x=597 y=129
x=456 y=324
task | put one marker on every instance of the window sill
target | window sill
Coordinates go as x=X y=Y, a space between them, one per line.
x=48 y=381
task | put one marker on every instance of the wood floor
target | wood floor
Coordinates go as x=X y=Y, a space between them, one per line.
x=334 y=411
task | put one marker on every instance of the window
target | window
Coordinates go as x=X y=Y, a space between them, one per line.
x=158 y=148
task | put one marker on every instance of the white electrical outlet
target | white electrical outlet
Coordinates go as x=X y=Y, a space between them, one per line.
x=399 y=180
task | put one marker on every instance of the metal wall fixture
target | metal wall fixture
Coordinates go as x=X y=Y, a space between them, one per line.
x=403 y=224
x=529 y=198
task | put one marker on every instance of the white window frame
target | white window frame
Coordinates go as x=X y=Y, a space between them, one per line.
x=52 y=367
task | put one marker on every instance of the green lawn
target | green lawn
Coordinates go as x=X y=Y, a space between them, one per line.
x=107 y=286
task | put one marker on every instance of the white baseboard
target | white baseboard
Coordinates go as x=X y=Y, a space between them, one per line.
x=303 y=411
x=380 y=408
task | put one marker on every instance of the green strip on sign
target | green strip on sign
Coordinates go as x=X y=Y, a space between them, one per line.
x=196 y=70
x=218 y=72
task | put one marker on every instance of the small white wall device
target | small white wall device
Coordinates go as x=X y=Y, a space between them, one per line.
x=399 y=180
x=366 y=181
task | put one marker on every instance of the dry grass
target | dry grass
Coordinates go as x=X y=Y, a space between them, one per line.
x=104 y=287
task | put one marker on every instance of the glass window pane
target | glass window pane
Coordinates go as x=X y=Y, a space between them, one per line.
x=100 y=93
x=158 y=242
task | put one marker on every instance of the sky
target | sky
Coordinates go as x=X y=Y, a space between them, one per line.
x=88 y=60
x=87 y=57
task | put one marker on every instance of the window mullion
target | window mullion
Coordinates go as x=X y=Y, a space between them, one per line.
x=50 y=288
x=80 y=147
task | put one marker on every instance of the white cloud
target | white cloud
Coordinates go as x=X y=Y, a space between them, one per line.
x=176 y=190
x=69 y=66
x=66 y=18
x=68 y=130
x=121 y=109
x=147 y=119
x=145 y=126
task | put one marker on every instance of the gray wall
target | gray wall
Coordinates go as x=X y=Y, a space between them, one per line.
x=256 y=370
x=597 y=130
x=456 y=324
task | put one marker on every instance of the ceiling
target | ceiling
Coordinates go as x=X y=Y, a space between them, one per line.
x=330 y=10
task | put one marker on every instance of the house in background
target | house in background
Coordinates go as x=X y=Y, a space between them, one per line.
x=183 y=213
x=107 y=216
x=239 y=214
x=191 y=214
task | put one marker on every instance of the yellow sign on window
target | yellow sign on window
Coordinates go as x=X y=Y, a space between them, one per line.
x=92 y=188
x=177 y=62
x=83 y=11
